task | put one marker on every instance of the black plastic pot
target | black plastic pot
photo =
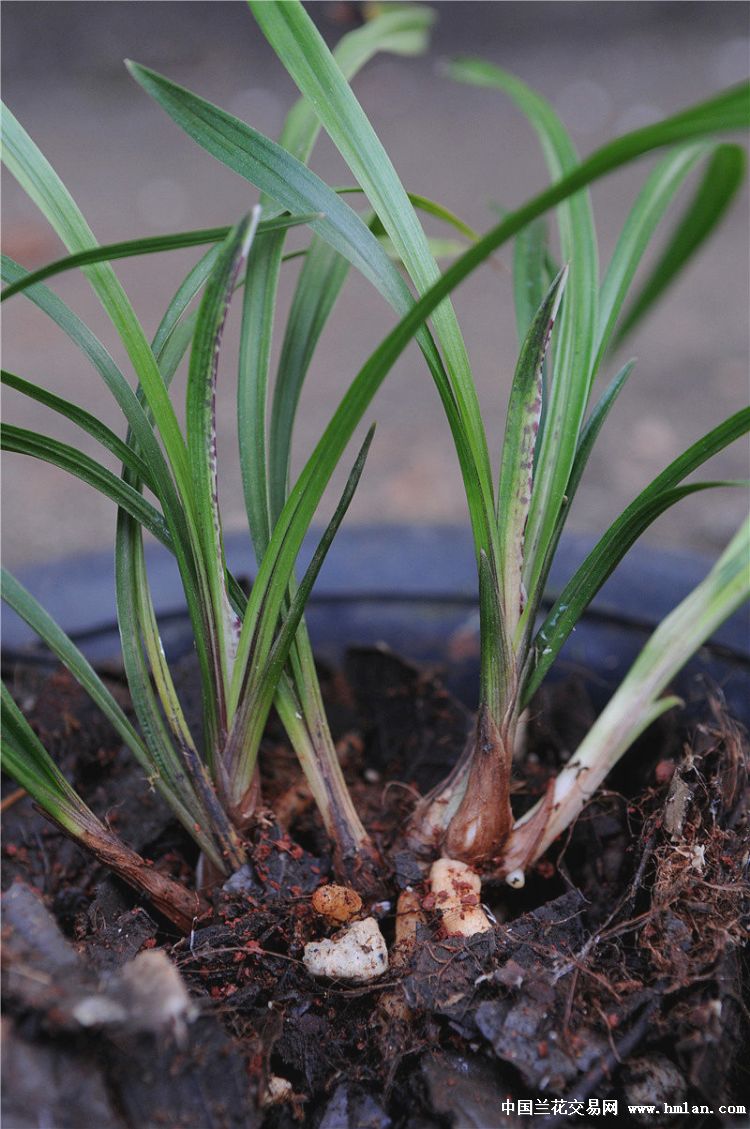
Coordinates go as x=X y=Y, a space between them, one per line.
x=413 y=589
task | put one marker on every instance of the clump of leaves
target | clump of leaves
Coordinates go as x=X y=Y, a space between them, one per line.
x=255 y=652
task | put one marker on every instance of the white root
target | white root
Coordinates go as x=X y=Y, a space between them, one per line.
x=456 y=888
x=409 y=915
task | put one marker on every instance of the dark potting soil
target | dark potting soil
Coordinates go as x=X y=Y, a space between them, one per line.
x=614 y=978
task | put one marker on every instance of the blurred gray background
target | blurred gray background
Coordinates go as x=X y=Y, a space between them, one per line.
x=606 y=67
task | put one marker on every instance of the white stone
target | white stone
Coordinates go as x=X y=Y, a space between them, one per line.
x=278 y=1090
x=359 y=954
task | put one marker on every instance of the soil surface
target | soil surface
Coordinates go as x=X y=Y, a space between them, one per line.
x=615 y=976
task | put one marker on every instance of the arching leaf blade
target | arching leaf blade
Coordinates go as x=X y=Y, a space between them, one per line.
x=662 y=493
x=651 y=203
x=81 y=418
x=37 y=177
x=718 y=188
x=37 y=446
x=148 y=245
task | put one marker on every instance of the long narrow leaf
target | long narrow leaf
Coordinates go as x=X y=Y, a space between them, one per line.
x=651 y=204
x=569 y=388
x=94 y=351
x=232 y=142
x=517 y=465
x=717 y=190
x=34 y=173
x=141 y=435
x=29 y=763
x=593 y=426
x=83 y=419
x=320 y=283
x=399 y=30
x=289 y=183
x=299 y=701
x=663 y=492
x=637 y=703
x=297 y=41
x=176 y=767
x=589 y=435
x=260 y=685
x=148 y=245
x=275 y=172
x=531 y=278
x=175 y=313
x=24 y=442
x=24 y=604
x=25 y=758
x=201 y=435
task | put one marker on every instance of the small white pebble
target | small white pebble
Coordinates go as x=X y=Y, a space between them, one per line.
x=516 y=879
x=359 y=954
x=278 y=1090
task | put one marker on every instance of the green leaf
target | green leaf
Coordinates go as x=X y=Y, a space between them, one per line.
x=440 y=212
x=201 y=437
x=300 y=705
x=517 y=465
x=270 y=655
x=179 y=769
x=651 y=204
x=236 y=146
x=149 y=245
x=319 y=285
x=636 y=703
x=25 y=758
x=359 y=395
x=141 y=435
x=531 y=279
x=28 y=762
x=593 y=426
x=83 y=419
x=662 y=493
x=58 y=454
x=586 y=443
x=175 y=319
x=569 y=388
x=135 y=609
x=34 y=173
x=24 y=604
x=94 y=351
x=256 y=339
x=497 y=668
x=400 y=30
x=717 y=190
x=277 y=174
x=294 y=37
